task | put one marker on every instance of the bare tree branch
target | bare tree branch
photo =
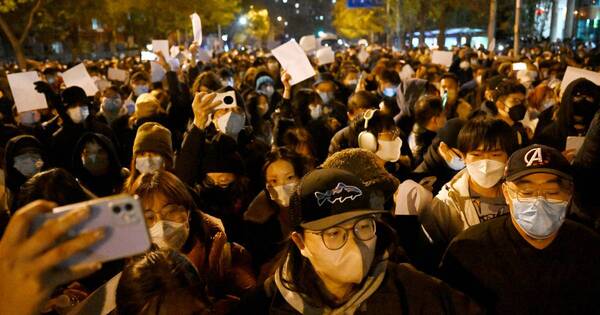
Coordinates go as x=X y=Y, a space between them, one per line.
x=8 y=31
x=32 y=13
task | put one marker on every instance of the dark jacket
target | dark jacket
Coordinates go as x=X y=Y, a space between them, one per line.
x=404 y=290
x=65 y=139
x=434 y=165
x=340 y=141
x=101 y=186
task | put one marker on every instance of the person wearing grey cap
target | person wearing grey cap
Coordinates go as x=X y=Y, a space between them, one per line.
x=533 y=261
x=339 y=260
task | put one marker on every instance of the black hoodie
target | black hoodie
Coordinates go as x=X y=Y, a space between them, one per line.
x=18 y=145
x=555 y=135
x=101 y=186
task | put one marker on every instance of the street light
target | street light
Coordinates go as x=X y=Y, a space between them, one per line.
x=243 y=20
x=279 y=18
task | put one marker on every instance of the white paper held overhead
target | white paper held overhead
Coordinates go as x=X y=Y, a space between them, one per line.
x=24 y=93
x=115 y=74
x=78 y=76
x=197 y=28
x=161 y=45
x=443 y=58
x=325 y=56
x=293 y=59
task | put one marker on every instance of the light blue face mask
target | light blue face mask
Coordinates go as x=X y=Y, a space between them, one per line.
x=326 y=97
x=389 y=91
x=456 y=163
x=538 y=217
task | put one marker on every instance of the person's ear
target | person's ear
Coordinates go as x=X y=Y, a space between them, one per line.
x=443 y=149
x=297 y=239
x=505 y=193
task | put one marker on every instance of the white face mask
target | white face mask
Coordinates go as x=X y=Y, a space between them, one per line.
x=316 y=111
x=268 y=90
x=282 y=194
x=486 y=173
x=231 y=124
x=149 y=164
x=547 y=104
x=389 y=151
x=78 y=114
x=464 y=65
x=169 y=234
x=456 y=163
x=28 y=164
x=349 y=264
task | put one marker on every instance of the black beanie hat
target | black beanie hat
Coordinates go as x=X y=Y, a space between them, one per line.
x=74 y=94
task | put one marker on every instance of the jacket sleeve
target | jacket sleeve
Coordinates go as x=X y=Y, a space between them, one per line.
x=436 y=220
x=180 y=110
x=188 y=162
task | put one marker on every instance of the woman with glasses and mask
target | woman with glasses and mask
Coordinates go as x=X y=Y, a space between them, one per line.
x=175 y=222
x=338 y=260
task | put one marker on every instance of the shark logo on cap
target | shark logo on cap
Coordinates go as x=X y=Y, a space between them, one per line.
x=341 y=193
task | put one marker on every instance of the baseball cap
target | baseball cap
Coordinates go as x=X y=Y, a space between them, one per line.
x=537 y=158
x=327 y=197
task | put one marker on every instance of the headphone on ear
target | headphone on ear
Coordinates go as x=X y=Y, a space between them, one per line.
x=366 y=139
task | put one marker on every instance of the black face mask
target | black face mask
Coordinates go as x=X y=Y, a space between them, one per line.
x=517 y=112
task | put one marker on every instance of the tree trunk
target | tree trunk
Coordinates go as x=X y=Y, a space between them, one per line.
x=491 y=31
x=441 y=38
x=554 y=21
x=17 y=43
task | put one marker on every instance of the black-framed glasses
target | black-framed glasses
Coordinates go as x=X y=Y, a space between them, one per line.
x=336 y=237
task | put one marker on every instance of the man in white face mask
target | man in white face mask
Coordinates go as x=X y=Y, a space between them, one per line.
x=474 y=194
x=535 y=249
x=337 y=259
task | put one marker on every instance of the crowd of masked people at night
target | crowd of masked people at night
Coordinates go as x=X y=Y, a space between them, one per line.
x=385 y=185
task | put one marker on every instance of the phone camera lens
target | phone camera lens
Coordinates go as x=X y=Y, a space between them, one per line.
x=128 y=207
x=116 y=209
x=228 y=100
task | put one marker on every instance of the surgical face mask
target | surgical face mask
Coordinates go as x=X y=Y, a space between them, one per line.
x=149 y=164
x=349 y=264
x=282 y=194
x=231 y=124
x=539 y=217
x=78 y=114
x=389 y=151
x=456 y=163
x=517 y=112
x=389 y=92
x=140 y=89
x=28 y=164
x=112 y=104
x=95 y=165
x=464 y=65
x=327 y=97
x=169 y=234
x=316 y=111
x=268 y=90
x=486 y=173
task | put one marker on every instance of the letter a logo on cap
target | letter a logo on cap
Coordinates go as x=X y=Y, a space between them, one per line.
x=534 y=155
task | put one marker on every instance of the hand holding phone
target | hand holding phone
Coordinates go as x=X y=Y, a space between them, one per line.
x=120 y=217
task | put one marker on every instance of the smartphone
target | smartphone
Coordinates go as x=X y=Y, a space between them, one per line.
x=519 y=66
x=227 y=100
x=126 y=233
x=149 y=56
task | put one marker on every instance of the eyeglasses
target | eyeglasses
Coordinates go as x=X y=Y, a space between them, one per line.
x=175 y=213
x=336 y=237
x=561 y=193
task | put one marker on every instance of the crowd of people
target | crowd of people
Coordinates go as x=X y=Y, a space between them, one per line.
x=383 y=185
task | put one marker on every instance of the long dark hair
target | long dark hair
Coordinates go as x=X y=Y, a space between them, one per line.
x=303 y=279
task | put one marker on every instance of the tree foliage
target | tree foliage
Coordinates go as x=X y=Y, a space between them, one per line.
x=358 y=22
